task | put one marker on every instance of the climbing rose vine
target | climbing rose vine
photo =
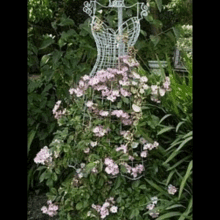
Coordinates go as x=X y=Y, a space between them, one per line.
x=98 y=145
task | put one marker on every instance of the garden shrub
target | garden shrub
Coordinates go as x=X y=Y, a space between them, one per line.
x=99 y=164
x=41 y=123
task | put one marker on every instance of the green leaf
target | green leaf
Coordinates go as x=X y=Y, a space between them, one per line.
x=176 y=32
x=188 y=134
x=79 y=205
x=92 y=178
x=31 y=136
x=142 y=187
x=124 y=157
x=135 y=184
x=49 y=182
x=68 y=216
x=66 y=22
x=46 y=43
x=168 y=215
x=179 y=162
x=54 y=176
x=171 y=156
x=144 y=33
x=67 y=34
x=41 y=168
x=174 y=143
x=44 y=59
x=183 y=216
x=42 y=176
x=188 y=173
x=57 y=170
x=183 y=143
x=123 y=169
x=48 y=87
x=56 y=56
x=174 y=206
x=54 y=25
x=179 y=124
x=158 y=188
x=53 y=191
x=159 y=4
x=118 y=182
x=134 y=213
x=101 y=182
x=166 y=116
x=167 y=128
x=125 y=100
x=70 y=138
x=61 y=42
x=89 y=167
x=149 y=18
x=155 y=39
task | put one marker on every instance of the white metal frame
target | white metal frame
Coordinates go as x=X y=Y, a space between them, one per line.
x=110 y=43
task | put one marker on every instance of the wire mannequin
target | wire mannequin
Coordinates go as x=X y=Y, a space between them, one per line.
x=111 y=43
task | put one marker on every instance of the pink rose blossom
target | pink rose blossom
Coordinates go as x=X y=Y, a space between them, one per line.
x=89 y=104
x=111 y=98
x=150 y=206
x=86 y=151
x=108 y=161
x=124 y=92
x=114 y=209
x=71 y=91
x=172 y=189
x=123 y=147
x=144 y=154
x=44 y=209
x=104 y=113
x=143 y=79
x=86 y=77
x=44 y=156
x=162 y=91
x=51 y=210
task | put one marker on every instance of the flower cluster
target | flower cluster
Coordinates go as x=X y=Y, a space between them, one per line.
x=153 y=214
x=111 y=166
x=103 y=79
x=129 y=61
x=122 y=147
x=99 y=131
x=44 y=156
x=172 y=189
x=148 y=146
x=51 y=210
x=58 y=114
x=159 y=91
x=106 y=208
x=80 y=170
x=139 y=168
x=94 y=143
x=124 y=116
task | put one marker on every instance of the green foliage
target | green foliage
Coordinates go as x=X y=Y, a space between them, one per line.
x=39 y=10
x=41 y=99
x=160 y=45
x=41 y=123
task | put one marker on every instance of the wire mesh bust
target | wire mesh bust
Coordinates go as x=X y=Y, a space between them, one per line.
x=111 y=43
